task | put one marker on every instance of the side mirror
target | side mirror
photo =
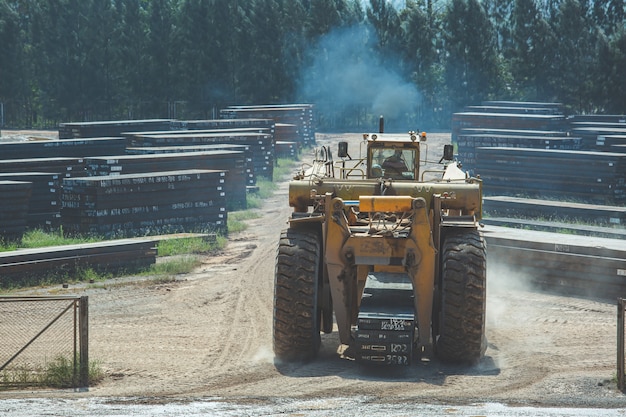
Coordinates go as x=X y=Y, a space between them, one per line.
x=342 y=152
x=448 y=153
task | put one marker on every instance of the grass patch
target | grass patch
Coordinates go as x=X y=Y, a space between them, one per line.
x=266 y=189
x=173 y=247
x=237 y=219
x=178 y=265
x=38 y=238
x=61 y=372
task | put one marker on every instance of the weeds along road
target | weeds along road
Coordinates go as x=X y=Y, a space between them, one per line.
x=202 y=345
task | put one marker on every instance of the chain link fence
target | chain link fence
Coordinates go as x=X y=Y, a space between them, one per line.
x=43 y=341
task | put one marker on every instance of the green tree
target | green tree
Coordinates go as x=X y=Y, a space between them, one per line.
x=58 y=37
x=531 y=52
x=129 y=59
x=471 y=65
x=387 y=25
x=161 y=83
x=575 y=57
x=422 y=37
x=13 y=77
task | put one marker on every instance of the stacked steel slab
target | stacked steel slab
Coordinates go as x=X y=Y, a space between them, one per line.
x=599 y=132
x=261 y=125
x=14 y=208
x=287 y=144
x=65 y=167
x=246 y=150
x=233 y=162
x=300 y=115
x=109 y=128
x=142 y=204
x=504 y=206
x=110 y=256
x=509 y=124
x=45 y=174
x=509 y=121
x=469 y=143
x=579 y=265
x=261 y=144
x=45 y=201
x=62 y=148
x=584 y=176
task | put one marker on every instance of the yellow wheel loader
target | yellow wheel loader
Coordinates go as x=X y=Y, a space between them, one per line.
x=392 y=261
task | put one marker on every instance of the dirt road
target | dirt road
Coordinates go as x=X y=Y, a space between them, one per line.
x=209 y=334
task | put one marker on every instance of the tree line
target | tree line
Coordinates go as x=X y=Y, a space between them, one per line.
x=81 y=60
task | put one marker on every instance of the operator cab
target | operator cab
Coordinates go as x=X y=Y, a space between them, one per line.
x=393 y=157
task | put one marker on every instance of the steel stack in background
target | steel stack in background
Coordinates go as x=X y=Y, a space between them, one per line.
x=14 y=208
x=110 y=127
x=300 y=115
x=533 y=151
x=261 y=144
x=145 y=204
x=232 y=162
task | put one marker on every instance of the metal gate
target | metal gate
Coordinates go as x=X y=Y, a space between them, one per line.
x=41 y=334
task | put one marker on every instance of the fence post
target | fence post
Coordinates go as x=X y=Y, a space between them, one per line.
x=620 y=343
x=83 y=334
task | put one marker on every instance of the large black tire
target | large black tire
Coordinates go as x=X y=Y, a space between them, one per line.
x=296 y=289
x=463 y=298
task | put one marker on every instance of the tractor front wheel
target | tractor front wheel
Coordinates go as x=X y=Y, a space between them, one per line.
x=463 y=298
x=296 y=290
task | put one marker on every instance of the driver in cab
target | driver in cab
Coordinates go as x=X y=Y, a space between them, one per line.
x=395 y=165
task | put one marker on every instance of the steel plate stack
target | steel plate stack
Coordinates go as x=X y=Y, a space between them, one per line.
x=583 y=176
x=45 y=201
x=142 y=204
x=261 y=145
x=508 y=121
x=14 y=209
x=230 y=161
x=300 y=115
x=20 y=266
x=109 y=128
x=600 y=138
x=62 y=148
x=65 y=167
x=467 y=143
x=250 y=178
x=285 y=149
x=509 y=124
x=259 y=125
x=520 y=208
x=579 y=265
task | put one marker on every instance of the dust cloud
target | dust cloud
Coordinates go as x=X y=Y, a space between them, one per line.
x=346 y=71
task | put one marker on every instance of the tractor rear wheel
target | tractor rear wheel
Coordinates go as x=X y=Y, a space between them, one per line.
x=296 y=290
x=463 y=297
